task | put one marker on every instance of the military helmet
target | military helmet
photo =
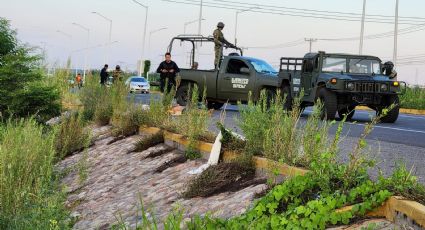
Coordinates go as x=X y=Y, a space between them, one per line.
x=220 y=25
x=389 y=64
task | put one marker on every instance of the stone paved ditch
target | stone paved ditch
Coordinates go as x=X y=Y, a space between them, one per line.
x=117 y=180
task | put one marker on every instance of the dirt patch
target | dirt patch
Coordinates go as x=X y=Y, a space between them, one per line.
x=220 y=178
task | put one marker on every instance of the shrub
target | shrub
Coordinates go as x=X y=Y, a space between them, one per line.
x=90 y=96
x=104 y=109
x=413 y=98
x=29 y=197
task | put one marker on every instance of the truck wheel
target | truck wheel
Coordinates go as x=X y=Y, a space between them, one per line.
x=182 y=95
x=330 y=104
x=392 y=115
x=286 y=94
x=214 y=105
x=349 y=111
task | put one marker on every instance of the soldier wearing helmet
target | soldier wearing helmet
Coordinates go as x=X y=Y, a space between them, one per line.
x=219 y=42
x=389 y=71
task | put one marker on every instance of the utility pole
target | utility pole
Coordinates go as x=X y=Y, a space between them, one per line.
x=236 y=20
x=106 y=58
x=87 y=45
x=200 y=19
x=362 y=28
x=395 y=34
x=310 y=40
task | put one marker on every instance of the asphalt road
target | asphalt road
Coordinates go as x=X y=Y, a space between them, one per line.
x=403 y=141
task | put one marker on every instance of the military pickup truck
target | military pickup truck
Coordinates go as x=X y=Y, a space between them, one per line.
x=341 y=82
x=232 y=82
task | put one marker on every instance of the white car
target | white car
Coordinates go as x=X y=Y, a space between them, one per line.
x=137 y=84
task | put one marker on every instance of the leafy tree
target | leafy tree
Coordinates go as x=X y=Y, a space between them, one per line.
x=23 y=87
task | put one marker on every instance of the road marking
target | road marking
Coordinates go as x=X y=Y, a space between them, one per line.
x=385 y=127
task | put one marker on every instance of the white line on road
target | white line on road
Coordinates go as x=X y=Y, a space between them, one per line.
x=392 y=128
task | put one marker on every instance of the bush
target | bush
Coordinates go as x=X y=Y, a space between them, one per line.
x=72 y=136
x=91 y=95
x=28 y=191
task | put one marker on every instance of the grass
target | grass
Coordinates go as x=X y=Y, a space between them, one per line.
x=72 y=135
x=413 y=98
x=29 y=195
x=149 y=141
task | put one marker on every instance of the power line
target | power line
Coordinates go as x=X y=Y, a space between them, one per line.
x=304 y=14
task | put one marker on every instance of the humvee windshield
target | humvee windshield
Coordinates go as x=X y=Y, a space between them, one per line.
x=355 y=65
x=364 y=66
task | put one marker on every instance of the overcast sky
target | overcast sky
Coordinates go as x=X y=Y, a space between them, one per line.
x=38 y=21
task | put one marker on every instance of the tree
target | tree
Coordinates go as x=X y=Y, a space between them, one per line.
x=23 y=87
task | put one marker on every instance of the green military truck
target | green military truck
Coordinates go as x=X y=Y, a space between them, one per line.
x=232 y=82
x=341 y=82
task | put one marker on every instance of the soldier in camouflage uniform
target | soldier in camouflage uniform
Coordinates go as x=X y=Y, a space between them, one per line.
x=219 y=42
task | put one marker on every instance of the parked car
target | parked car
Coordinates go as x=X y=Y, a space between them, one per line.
x=137 y=84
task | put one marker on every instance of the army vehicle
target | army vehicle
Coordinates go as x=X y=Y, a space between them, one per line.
x=341 y=82
x=232 y=82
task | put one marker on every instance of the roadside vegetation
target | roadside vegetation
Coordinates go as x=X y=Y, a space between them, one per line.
x=414 y=98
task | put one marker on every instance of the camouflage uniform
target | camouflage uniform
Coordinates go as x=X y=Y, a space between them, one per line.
x=219 y=42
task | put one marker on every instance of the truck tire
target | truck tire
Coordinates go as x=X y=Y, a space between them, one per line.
x=286 y=94
x=182 y=95
x=392 y=115
x=330 y=104
x=215 y=105
x=349 y=111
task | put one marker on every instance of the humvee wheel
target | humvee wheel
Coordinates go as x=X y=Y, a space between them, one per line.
x=392 y=115
x=330 y=103
x=349 y=111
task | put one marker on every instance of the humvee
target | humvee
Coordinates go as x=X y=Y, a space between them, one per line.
x=232 y=82
x=341 y=82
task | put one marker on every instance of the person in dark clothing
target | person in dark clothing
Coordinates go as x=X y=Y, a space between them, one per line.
x=168 y=70
x=104 y=75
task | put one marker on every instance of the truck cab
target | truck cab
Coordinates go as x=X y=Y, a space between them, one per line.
x=341 y=82
x=232 y=82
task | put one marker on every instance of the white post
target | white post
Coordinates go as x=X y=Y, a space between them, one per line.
x=200 y=19
x=362 y=28
x=395 y=34
x=236 y=26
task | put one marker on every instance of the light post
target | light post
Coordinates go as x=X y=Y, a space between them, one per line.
x=106 y=59
x=87 y=45
x=362 y=28
x=188 y=23
x=236 y=20
x=200 y=19
x=144 y=36
x=150 y=35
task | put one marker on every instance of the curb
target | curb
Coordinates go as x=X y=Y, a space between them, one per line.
x=402 y=110
x=413 y=211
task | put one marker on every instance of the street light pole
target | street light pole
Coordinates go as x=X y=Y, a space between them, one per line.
x=200 y=19
x=144 y=36
x=362 y=28
x=236 y=20
x=70 y=38
x=87 y=45
x=188 y=23
x=395 y=34
x=106 y=59
x=310 y=41
x=150 y=35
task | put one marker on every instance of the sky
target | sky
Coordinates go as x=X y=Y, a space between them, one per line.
x=264 y=35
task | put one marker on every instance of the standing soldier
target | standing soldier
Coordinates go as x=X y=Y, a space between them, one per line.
x=219 y=42
x=117 y=74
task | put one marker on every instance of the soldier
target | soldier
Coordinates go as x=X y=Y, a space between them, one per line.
x=219 y=42
x=117 y=74
x=389 y=71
